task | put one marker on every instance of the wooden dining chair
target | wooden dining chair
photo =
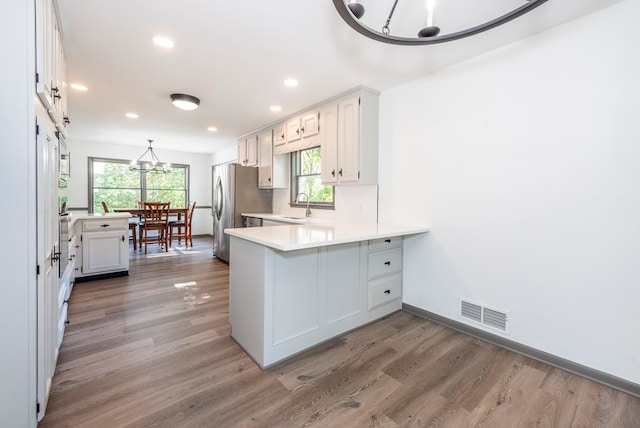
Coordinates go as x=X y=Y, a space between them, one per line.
x=133 y=226
x=183 y=226
x=156 y=219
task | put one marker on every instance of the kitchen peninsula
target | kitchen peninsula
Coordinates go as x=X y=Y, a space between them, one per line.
x=294 y=286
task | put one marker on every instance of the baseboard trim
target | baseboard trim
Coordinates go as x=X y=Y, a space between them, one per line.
x=99 y=276
x=553 y=360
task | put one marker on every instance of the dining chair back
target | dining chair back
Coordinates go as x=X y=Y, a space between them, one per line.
x=156 y=219
x=183 y=227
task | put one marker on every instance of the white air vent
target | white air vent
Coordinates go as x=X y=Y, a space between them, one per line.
x=471 y=311
x=491 y=317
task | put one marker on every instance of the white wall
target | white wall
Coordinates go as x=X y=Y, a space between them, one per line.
x=525 y=163
x=200 y=175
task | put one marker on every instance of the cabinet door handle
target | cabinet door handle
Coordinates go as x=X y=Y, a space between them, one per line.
x=333 y=172
x=387 y=263
x=269 y=179
x=104 y=225
x=388 y=241
x=340 y=172
x=282 y=136
x=122 y=238
x=387 y=291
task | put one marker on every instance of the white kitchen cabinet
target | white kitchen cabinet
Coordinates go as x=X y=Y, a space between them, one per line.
x=104 y=245
x=272 y=169
x=51 y=68
x=248 y=150
x=384 y=271
x=302 y=131
x=290 y=301
x=350 y=140
x=280 y=134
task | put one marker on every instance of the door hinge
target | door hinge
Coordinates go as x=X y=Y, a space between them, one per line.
x=37 y=407
x=358 y=175
x=37 y=128
x=359 y=100
x=37 y=269
x=37 y=77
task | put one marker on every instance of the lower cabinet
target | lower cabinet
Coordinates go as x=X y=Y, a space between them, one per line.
x=104 y=246
x=290 y=301
x=105 y=252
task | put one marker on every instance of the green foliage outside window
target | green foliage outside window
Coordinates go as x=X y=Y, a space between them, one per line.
x=113 y=182
x=306 y=172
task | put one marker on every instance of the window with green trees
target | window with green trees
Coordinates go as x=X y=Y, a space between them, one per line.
x=305 y=168
x=112 y=181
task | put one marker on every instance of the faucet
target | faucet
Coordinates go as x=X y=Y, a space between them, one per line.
x=308 y=212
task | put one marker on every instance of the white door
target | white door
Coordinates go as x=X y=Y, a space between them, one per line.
x=48 y=253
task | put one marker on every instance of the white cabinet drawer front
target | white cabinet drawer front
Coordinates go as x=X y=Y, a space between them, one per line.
x=385 y=262
x=379 y=244
x=105 y=224
x=384 y=290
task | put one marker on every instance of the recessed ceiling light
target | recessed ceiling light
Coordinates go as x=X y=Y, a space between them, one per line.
x=275 y=108
x=163 y=42
x=79 y=87
x=212 y=129
x=132 y=115
x=291 y=82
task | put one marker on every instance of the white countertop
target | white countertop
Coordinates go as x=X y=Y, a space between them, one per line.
x=77 y=216
x=320 y=233
x=94 y=216
x=281 y=217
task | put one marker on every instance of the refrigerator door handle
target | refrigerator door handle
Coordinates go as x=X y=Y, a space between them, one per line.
x=218 y=203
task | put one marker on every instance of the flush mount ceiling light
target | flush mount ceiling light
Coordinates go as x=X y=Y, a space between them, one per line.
x=352 y=12
x=152 y=164
x=185 y=102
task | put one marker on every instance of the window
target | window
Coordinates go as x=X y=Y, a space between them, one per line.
x=111 y=181
x=305 y=172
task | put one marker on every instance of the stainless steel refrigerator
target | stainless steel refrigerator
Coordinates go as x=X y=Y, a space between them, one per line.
x=235 y=191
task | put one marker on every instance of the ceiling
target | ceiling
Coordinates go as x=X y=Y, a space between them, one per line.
x=234 y=56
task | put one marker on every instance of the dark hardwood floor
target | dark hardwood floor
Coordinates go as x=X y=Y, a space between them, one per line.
x=153 y=349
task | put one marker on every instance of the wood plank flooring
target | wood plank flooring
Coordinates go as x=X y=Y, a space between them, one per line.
x=153 y=349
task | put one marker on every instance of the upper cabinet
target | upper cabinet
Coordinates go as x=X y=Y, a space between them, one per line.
x=346 y=129
x=301 y=131
x=248 y=150
x=280 y=134
x=350 y=139
x=272 y=169
x=51 y=68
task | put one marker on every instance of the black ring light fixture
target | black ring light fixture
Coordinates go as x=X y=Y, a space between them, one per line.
x=351 y=11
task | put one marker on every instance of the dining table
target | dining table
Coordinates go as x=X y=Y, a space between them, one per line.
x=139 y=212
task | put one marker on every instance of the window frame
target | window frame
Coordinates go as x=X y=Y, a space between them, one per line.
x=295 y=168
x=142 y=181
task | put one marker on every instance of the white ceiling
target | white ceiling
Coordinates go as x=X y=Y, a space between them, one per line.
x=234 y=56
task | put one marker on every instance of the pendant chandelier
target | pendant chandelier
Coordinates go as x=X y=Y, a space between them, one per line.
x=152 y=165
x=352 y=11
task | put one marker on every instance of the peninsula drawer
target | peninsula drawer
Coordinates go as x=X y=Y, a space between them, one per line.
x=384 y=290
x=380 y=244
x=105 y=224
x=385 y=262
